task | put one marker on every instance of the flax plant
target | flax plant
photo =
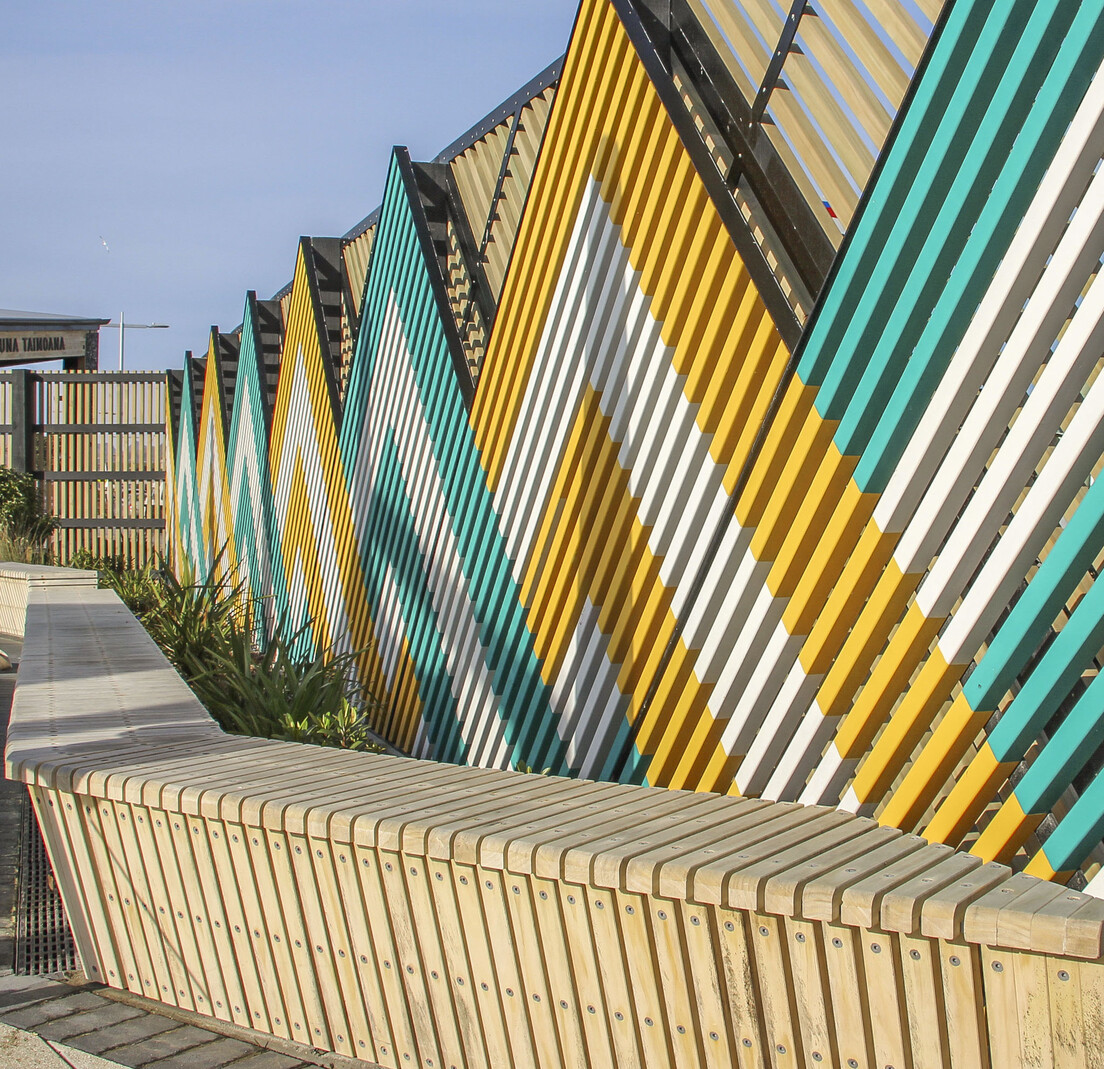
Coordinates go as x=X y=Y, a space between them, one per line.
x=279 y=689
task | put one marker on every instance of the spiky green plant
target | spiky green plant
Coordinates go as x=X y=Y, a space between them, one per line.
x=24 y=523
x=529 y=770
x=194 y=622
x=272 y=692
x=139 y=588
x=280 y=689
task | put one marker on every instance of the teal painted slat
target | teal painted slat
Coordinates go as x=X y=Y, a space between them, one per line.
x=918 y=124
x=623 y=762
x=1029 y=621
x=1081 y=829
x=1054 y=676
x=408 y=571
x=397 y=272
x=1066 y=752
x=247 y=452
x=187 y=485
x=897 y=386
x=930 y=184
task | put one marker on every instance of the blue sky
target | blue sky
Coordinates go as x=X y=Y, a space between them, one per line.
x=200 y=139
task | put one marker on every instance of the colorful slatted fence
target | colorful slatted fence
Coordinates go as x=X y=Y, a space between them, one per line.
x=451 y=640
x=185 y=515
x=212 y=476
x=256 y=550
x=755 y=456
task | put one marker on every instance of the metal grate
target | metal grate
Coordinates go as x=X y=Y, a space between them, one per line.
x=43 y=941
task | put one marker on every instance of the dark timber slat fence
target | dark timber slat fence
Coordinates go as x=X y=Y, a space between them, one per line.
x=96 y=442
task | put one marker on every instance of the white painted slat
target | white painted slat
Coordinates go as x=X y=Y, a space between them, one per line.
x=1032 y=245
x=481 y=726
x=772 y=641
x=1065 y=472
x=787 y=780
x=1035 y=426
x=1004 y=387
x=530 y=459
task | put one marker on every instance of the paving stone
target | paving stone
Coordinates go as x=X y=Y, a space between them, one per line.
x=19 y=991
x=164 y=1044
x=77 y=1059
x=119 y=1035
x=107 y=1015
x=25 y=1050
x=267 y=1059
x=216 y=1055
x=30 y=1017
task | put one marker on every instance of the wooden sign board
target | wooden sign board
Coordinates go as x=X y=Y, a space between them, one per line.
x=18 y=346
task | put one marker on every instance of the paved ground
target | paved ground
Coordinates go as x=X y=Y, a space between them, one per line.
x=52 y=1024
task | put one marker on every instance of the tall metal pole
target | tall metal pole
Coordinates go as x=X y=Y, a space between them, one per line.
x=124 y=326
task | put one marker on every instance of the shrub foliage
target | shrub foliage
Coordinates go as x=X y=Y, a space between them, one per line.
x=24 y=524
x=272 y=691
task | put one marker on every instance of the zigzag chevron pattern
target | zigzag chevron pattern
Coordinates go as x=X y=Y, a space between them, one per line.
x=767 y=466
x=184 y=511
x=212 y=477
x=432 y=554
x=256 y=549
x=321 y=582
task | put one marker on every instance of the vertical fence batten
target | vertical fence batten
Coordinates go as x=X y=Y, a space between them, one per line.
x=96 y=443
